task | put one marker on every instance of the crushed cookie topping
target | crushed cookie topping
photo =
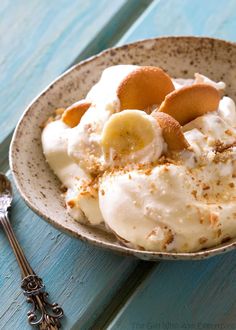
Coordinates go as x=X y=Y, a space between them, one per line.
x=194 y=193
x=89 y=188
x=71 y=203
x=221 y=147
x=59 y=112
x=214 y=218
x=202 y=240
x=229 y=132
x=169 y=238
x=55 y=116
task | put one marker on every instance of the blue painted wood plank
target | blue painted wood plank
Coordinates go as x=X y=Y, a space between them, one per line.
x=39 y=39
x=184 y=17
x=184 y=295
x=52 y=48
x=82 y=278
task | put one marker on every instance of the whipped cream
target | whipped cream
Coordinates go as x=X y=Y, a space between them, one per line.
x=182 y=204
x=84 y=145
x=165 y=208
x=55 y=147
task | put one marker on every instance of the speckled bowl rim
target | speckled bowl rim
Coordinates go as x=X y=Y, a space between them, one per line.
x=141 y=254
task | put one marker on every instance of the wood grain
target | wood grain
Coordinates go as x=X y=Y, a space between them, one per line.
x=184 y=295
x=39 y=40
x=174 y=291
x=80 y=277
x=184 y=17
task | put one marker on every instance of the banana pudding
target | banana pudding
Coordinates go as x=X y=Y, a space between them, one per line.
x=149 y=158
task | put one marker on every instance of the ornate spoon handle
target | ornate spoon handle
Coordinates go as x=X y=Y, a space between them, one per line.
x=42 y=314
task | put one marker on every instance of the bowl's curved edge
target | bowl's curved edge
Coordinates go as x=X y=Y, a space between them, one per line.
x=145 y=255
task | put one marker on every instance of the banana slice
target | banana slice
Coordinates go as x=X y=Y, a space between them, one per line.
x=144 y=87
x=190 y=102
x=127 y=132
x=74 y=113
x=171 y=131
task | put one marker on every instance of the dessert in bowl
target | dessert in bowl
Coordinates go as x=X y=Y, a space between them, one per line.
x=129 y=165
x=147 y=159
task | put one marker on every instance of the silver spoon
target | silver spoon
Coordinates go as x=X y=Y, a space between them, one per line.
x=43 y=314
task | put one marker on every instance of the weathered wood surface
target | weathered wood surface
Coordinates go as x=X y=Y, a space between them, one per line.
x=79 y=277
x=84 y=279
x=184 y=295
x=38 y=41
x=184 y=17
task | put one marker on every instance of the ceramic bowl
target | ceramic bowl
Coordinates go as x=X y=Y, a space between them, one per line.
x=179 y=56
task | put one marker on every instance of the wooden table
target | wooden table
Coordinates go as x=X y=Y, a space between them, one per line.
x=39 y=39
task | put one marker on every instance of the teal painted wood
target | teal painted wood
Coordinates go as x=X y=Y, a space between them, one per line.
x=34 y=50
x=184 y=295
x=40 y=39
x=82 y=278
x=85 y=29
x=184 y=17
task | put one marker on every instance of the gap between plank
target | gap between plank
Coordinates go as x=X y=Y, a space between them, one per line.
x=120 y=298
x=131 y=10
x=115 y=28
x=122 y=21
